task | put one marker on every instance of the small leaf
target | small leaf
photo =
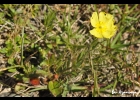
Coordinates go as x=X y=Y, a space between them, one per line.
x=1 y=14
x=12 y=70
x=57 y=92
x=50 y=46
x=56 y=84
x=3 y=50
x=20 y=21
x=19 y=76
x=116 y=46
x=25 y=79
x=54 y=88
x=107 y=87
x=10 y=61
x=51 y=87
x=13 y=12
x=42 y=72
x=19 y=87
x=58 y=41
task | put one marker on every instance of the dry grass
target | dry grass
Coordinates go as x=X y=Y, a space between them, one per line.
x=53 y=43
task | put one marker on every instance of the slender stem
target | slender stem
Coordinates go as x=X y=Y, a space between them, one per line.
x=94 y=73
x=22 y=43
x=95 y=8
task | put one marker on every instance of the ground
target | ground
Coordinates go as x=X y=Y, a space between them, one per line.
x=51 y=44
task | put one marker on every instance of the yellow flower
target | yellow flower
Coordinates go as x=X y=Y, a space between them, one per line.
x=103 y=25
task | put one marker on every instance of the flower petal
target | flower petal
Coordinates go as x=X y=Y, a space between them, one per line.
x=104 y=25
x=109 y=17
x=107 y=34
x=94 y=19
x=96 y=33
x=102 y=17
x=110 y=32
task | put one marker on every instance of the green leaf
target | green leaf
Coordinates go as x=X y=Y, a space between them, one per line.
x=19 y=87
x=54 y=88
x=20 y=21
x=27 y=42
x=65 y=90
x=25 y=79
x=37 y=89
x=19 y=76
x=49 y=46
x=77 y=88
x=6 y=5
x=42 y=72
x=17 y=38
x=122 y=29
x=1 y=14
x=13 y=12
x=32 y=27
x=107 y=87
x=117 y=46
x=43 y=63
x=56 y=92
x=11 y=61
x=49 y=18
x=58 y=41
x=112 y=6
x=3 y=50
x=12 y=70
x=131 y=18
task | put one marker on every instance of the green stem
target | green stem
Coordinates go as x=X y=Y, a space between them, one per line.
x=133 y=8
x=94 y=73
x=22 y=44
x=95 y=8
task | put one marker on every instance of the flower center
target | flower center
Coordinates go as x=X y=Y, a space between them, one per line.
x=101 y=27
